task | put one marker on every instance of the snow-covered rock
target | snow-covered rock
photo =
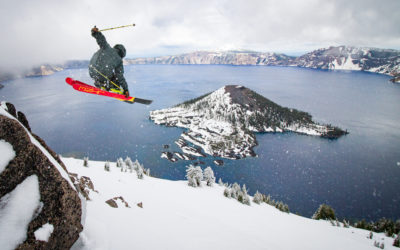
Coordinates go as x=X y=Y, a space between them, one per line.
x=35 y=190
x=223 y=123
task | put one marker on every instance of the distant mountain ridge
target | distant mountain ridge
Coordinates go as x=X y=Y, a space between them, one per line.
x=383 y=61
x=219 y=57
x=223 y=122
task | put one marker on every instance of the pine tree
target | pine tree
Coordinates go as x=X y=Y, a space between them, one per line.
x=324 y=212
x=107 y=166
x=396 y=241
x=267 y=199
x=137 y=165
x=258 y=197
x=227 y=192
x=120 y=162
x=129 y=163
x=140 y=173
x=194 y=175
x=86 y=161
x=235 y=190
x=209 y=176
x=220 y=182
x=286 y=208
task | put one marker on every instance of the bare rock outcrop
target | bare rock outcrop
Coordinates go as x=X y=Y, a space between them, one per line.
x=113 y=202
x=60 y=205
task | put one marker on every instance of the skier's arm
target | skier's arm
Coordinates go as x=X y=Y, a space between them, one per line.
x=119 y=76
x=100 y=39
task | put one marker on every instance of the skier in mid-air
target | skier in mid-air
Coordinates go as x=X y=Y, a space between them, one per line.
x=106 y=67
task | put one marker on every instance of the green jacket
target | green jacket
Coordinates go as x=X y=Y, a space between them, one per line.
x=107 y=61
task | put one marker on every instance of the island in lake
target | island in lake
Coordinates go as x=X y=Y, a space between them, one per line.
x=223 y=123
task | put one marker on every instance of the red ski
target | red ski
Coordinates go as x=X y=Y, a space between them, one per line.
x=83 y=87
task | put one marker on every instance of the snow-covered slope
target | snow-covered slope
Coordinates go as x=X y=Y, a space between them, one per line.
x=177 y=216
x=222 y=123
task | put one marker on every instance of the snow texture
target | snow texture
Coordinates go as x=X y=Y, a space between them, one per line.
x=177 y=216
x=17 y=209
x=44 y=232
x=7 y=154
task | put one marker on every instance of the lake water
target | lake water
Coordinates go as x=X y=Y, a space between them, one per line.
x=358 y=174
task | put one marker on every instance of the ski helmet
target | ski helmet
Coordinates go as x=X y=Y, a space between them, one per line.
x=121 y=50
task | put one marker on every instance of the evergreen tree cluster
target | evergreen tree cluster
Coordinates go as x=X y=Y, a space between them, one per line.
x=129 y=166
x=236 y=192
x=195 y=175
x=387 y=226
x=277 y=204
x=241 y=194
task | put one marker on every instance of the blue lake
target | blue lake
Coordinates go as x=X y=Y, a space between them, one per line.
x=358 y=174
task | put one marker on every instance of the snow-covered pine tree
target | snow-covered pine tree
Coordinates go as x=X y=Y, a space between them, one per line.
x=235 y=190
x=140 y=173
x=120 y=162
x=286 y=208
x=107 y=166
x=137 y=165
x=129 y=163
x=86 y=162
x=245 y=196
x=194 y=175
x=267 y=199
x=346 y=224
x=209 y=176
x=220 y=182
x=227 y=192
x=258 y=197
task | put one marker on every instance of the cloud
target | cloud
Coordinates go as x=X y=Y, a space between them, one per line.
x=42 y=31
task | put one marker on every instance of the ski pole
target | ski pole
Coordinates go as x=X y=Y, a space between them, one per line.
x=124 y=26
x=106 y=77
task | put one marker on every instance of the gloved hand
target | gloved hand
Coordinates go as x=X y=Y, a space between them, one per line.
x=95 y=29
x=126 y=93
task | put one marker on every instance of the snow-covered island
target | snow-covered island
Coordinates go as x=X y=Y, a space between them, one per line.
x=223 y=122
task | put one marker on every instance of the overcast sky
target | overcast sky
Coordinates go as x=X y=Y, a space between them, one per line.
x=41 y=31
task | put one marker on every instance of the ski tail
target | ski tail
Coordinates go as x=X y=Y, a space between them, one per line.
x=142 y=101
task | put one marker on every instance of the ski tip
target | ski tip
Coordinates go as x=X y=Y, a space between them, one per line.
x=69 y=80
